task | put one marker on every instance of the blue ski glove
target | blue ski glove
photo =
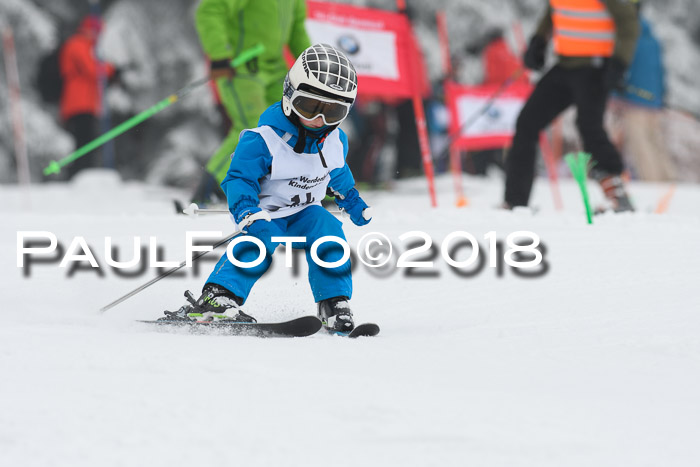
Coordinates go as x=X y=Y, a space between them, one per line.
x=241 y=216
x=354 y=205
x=256 y=223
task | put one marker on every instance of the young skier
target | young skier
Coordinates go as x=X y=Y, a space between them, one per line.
x=279 y=173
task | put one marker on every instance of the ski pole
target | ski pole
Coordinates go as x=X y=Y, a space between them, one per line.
x=485 y=108
x=193 y=210
x=55 y=166
x=169 y=272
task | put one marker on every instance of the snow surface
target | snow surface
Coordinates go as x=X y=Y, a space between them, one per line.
x=596 y=363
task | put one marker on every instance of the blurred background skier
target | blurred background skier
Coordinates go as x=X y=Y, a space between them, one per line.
x=226 y=28
x=595 y=41
x=277 y=177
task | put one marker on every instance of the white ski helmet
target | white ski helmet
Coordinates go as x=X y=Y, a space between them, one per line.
x=322 y=82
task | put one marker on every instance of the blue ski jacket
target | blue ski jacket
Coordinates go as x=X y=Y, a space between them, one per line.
x=251 y=162
x=646 y=77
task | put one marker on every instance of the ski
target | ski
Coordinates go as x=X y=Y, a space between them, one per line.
x=299 y=327
x=361 y=330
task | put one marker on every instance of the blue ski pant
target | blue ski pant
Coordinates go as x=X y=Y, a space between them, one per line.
x=313 y=223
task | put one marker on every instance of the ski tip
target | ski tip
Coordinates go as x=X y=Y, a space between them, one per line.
x=362 y=330
x=365 y=330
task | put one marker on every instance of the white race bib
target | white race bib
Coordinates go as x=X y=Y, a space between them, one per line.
x=296 y=180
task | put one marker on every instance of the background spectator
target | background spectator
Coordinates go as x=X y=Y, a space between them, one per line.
x=80 y=100
x=642 y=136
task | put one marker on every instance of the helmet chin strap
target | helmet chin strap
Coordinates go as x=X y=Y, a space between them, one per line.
x=304 y=133
x=301 y=140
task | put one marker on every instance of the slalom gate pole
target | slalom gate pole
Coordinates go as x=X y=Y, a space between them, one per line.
x=578 y=163
x=55 y=166
x=455 y=159
x=665 y=200
x=169 y=272
x=551 y=165
x=418 y=110
x=441 y=20
x=16 y=115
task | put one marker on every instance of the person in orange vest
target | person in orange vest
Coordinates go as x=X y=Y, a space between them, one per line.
x=80 y=103
x=595 y=41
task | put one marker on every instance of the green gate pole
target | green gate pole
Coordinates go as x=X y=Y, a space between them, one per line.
x=578 y=164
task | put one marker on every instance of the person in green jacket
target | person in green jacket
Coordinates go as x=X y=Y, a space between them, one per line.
x=225 y=29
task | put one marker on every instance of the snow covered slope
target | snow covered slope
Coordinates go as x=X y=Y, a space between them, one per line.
x=597 y=362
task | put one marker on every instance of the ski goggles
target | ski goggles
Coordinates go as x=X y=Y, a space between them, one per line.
x=311 y=106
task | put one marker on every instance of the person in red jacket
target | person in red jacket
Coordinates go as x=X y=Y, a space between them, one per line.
x=500 y=63
x=80 y=99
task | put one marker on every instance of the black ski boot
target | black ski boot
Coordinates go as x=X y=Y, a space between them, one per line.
x=335 y=314
x=180 y=315
x=219 y=303
x=614 y=189
x=215 y=303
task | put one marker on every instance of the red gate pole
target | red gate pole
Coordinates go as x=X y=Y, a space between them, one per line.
x=455 y=159
x=419 y=111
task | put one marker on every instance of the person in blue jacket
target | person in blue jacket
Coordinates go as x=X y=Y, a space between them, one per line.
x=643 y=139
x=645 y=76
x=279 y=173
